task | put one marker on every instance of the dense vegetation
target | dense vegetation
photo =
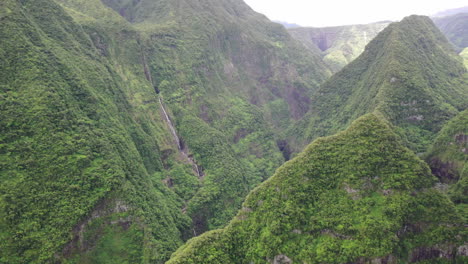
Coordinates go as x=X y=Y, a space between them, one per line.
x=128 y=127
x=90 y=172
x=464 y=55
x=455 y=28
x=409 y=72
x=233 y=81
x=358 y=196
x=338 y=45
x=72 y=139
x=448 y=158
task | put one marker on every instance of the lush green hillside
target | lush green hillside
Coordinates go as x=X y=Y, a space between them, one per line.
x=130 y=126
x=357 y=197
x=409 y=72
x=338 y=45
x=455 y=28
x=448 y=158
x=233 y=81
x=90 y=169
x=78 y=163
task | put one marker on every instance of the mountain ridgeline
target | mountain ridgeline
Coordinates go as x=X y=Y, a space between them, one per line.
x=131 y=126
x=409 y=72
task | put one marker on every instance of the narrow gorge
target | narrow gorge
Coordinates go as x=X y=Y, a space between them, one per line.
x=183 y=149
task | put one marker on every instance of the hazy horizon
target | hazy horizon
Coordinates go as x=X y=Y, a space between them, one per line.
x=339 y=12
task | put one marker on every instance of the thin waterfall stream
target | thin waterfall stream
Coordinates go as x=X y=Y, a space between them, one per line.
x=181 y=149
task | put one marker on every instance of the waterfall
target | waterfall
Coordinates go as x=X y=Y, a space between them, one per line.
x=182 y=151
x=171 y=126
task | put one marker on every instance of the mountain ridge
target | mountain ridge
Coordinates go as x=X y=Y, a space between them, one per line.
x=408 y=65
x=305 y=212
x=130 y=126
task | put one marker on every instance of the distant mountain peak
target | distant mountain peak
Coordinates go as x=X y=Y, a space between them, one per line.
x=409 y=72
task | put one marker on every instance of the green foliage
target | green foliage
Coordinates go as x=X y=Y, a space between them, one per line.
x=455 y=28
x=338 y=45
x=219 y=67
x=464 y=55
x=116 y=243
x=70 y=138
x=448 y=158
x=81 y=123
x=409 y=73
x=357 y=195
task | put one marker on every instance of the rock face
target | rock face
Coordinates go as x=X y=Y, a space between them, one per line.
x=398 y=216
x=282 y=259
x=409 y=72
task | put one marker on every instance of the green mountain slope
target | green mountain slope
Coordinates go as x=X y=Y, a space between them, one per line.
x=338 y=45
x=455 y=28
x=78 y=162
x=233 y=82
x=91 y=170
x=359 y=196
x=448 y=157
x=409 y=72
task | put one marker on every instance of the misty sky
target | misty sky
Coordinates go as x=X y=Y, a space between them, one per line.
x=321 y=13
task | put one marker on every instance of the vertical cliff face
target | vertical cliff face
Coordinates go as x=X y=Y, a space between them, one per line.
x=409 y=72
x=90 y=168
x=357 y=197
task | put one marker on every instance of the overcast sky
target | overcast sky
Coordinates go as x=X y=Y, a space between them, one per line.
x=321 y=13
